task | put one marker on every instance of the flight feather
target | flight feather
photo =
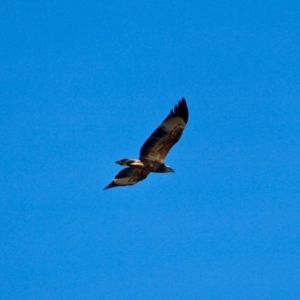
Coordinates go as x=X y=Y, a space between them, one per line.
x=167 y=134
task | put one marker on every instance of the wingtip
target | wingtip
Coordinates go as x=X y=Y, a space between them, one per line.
x=182 y=102
x=111 y=185
x=181 y=109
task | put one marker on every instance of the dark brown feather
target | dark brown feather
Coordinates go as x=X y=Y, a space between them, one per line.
x=167 y=134
x=128 y=176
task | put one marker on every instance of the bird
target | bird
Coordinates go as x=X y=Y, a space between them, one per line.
x=154 y=150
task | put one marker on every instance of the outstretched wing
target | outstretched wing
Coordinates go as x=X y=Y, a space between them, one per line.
x=167 y=134
x=128 y=176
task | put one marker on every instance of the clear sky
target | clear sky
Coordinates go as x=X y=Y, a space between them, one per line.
x=83 y=84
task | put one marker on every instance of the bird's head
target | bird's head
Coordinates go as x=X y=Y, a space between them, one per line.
x=169 y=169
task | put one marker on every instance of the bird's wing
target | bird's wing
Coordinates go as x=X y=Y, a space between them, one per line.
x=128 y=176
x=166 y=135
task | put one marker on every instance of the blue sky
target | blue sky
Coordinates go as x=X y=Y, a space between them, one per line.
x=83 y=84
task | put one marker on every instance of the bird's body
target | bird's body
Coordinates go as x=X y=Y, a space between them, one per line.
x=146 y=164
x=154 y=150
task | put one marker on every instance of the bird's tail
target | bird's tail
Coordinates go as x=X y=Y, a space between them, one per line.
x=130 y=162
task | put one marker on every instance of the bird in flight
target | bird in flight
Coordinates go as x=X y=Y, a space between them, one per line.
x=154 y=150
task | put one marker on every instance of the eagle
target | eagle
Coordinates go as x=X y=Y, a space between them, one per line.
x=154 y=150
